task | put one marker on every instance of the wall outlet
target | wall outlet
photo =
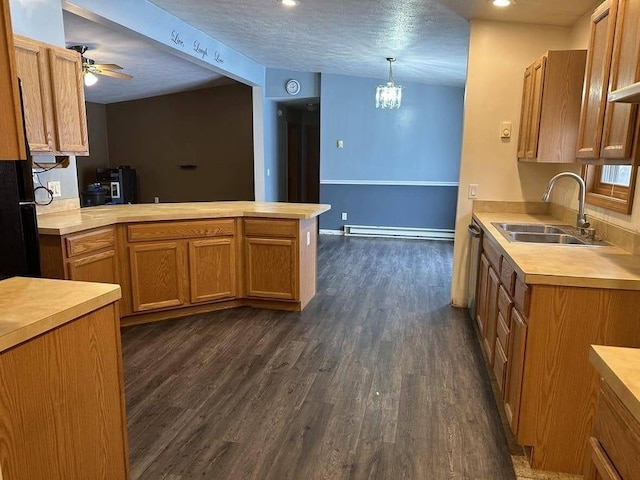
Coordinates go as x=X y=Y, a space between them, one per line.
x=54 y=188
x=340 y=144
x=344 y=215
x=268 y=172
x=474 y=189
x=156 y=199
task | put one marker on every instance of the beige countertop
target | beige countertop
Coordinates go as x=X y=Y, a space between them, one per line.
x=620 y=369
x=71 y=221
x=32 y=306
x=568 y=265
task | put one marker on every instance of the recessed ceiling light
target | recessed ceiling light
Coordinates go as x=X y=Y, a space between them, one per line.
x=289 y=3
x=502 y=3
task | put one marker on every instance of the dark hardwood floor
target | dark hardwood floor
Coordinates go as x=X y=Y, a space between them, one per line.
x=379 y=378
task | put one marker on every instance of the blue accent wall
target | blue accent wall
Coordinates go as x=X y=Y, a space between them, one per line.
x=389 y=206
x=420 y=142
x=275 y=80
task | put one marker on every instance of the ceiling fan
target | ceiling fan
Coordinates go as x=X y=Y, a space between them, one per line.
x=90 y=68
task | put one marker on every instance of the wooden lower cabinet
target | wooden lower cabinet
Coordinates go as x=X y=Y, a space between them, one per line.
x=175 y=268
x=158 y=275
x=490 y=328
x=212 y=269
x=62 y=405
x=541 y=361
x=271 y=268
x=98 y=267
x=599 y=467
x=483 y=284
x=514 y=371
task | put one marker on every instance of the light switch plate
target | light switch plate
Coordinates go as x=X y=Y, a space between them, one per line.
x=340 y=143
x=473 y=190
x=505 y=130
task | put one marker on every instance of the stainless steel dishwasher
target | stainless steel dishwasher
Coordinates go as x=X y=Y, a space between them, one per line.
x=475 y=234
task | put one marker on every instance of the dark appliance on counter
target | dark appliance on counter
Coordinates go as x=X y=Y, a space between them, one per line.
x=119 y=184
x=94 y=195
x=19 y=243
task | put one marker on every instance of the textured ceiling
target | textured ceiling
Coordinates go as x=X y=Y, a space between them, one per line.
x=155 y=72
x=351 y=37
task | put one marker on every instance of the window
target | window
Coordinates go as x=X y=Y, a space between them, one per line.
x=610 y=186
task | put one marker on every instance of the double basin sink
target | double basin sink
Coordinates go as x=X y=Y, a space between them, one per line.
x=542 y=233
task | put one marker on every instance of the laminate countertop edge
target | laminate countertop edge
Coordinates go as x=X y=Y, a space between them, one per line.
x=607 y=267
x=619 y=367
x=79 y=220
x=30 y=307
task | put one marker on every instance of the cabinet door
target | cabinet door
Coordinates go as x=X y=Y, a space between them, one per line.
x=594 y=96
x=537 y=87
x=212 y=269
x=12 y=145
x=32 y=67
x=158 y=275
x=599 y=467
x=99 y=267
x=68 y=101
x=515 y=369
x=620 y=118
x=483 y=285
x=271 y=268
x=491 y=326
x=525 y=113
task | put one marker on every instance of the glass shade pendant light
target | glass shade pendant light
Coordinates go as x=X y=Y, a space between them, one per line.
x=89 y=78
x=389 y=95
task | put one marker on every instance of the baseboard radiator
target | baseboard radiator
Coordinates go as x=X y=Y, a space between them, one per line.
x=397 y=232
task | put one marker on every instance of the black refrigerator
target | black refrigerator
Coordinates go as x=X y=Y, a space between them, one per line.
x=19 y=246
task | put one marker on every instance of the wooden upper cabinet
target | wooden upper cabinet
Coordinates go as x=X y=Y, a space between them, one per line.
x=54 y=103
x=551 y=107
x=525 y=113
x=32 y=68
x=620 y=118
x=610 y=130
x=12 y=144
x=68 y=101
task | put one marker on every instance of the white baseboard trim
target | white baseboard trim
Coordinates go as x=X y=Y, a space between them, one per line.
x=324 y=231
x=399 y=232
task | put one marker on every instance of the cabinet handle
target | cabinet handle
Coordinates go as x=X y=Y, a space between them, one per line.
x=474 y=231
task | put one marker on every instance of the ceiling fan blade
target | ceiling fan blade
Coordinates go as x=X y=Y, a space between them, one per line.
x=107 y=66
x=109 y=73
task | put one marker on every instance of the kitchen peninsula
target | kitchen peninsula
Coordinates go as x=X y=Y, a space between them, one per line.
x=178 y=259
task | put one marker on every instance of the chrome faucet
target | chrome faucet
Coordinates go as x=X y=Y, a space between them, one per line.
x=581 y=221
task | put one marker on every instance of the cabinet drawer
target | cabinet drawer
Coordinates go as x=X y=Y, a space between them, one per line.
x=619 y=434
x=492 y=253
x=599 y=466
x=178 y=230
x=521 y=296
x=504 y=304
x=499 y=366
x=263 y=227
x=503 y=332
x=507 y=275
x=90 y=241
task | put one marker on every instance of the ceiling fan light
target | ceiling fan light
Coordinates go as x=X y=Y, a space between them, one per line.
x=289 y=3
x=502 y=3
x=90 y=79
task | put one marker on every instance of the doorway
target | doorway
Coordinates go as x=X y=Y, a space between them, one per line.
x=302 y=152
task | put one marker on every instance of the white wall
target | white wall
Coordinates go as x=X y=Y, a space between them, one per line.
x=498 y=55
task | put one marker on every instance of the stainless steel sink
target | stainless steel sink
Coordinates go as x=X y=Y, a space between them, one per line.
x=544 y=233
x=530 y=227
x=558 y=238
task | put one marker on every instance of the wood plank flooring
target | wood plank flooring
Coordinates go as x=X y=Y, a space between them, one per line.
x=379 y=378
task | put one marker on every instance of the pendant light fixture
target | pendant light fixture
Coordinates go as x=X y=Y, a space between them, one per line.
x=389 y=95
